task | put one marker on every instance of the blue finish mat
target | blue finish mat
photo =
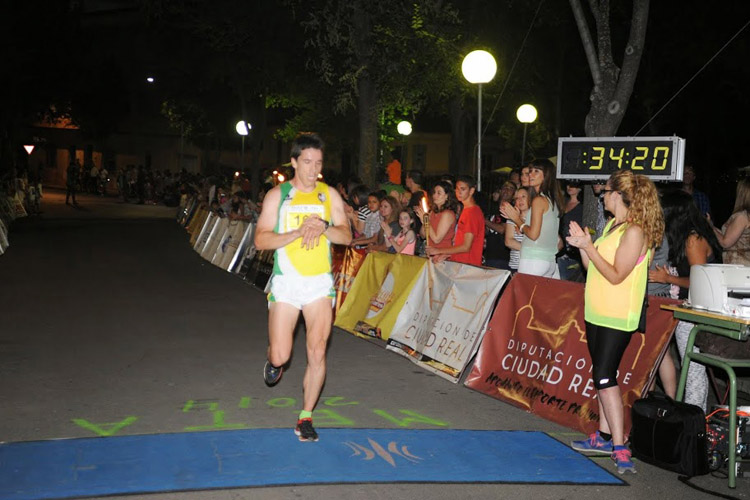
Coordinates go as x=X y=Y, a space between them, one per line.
x=266 y=457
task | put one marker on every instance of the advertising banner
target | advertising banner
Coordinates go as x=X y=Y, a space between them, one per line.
x=445 y=315
x=230 y=240
x=214 y=238
x=382 y=286
x=196 y=224
x=245 y=250
x=534 y=354
x=346 y=264
x=4 y=243
x=19 y=209
x=205 y=232
x=187 y=212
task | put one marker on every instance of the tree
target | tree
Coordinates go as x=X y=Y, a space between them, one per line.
x=247 y=54
x=367 y=53
x=613 y=84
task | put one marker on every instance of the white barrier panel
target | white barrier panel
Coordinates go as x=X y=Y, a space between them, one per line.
x=208 y=226
x=185 y=213
x=18 y=206
x=4 y=243
x=214 y=238
x=230 y=240
x=245 y=250
x=7 y=208
x=196 y=225
x=444 y=319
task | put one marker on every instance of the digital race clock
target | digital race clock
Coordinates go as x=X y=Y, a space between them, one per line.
x=592 y=158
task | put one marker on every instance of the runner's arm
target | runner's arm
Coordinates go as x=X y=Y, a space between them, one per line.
x=339 y=231
x=265 y=236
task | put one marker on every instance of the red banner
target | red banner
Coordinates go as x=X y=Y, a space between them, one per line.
x=534 y=353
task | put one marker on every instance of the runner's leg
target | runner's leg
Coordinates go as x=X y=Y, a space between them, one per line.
x=318 y=319
x=282 y=319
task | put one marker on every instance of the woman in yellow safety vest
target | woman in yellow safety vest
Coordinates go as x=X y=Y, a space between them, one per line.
x=617 y=266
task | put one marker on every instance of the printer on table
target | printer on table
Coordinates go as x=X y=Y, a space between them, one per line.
x=723 y=288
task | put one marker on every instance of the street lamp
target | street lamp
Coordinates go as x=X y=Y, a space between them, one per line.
x=526 y=114
x=479 y=67
x=243 y=129
x=404 y=127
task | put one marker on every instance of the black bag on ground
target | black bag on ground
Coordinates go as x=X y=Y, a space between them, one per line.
x=669 y=434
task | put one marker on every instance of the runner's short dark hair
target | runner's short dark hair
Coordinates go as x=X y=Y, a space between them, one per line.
x=306 y=141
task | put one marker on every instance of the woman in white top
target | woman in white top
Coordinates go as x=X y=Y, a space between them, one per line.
x=542 y=221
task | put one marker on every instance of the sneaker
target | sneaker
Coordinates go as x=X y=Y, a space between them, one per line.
x=623 y=461
x=271 y=374
x=305 y=430
x=594 y=444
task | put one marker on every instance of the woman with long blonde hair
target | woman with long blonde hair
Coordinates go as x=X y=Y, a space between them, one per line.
x=734 y=236
x=617 y=266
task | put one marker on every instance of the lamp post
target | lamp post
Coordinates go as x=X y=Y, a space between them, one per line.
x=404 y=128
x=479 y=67
x=243 y=129
x=526 y=114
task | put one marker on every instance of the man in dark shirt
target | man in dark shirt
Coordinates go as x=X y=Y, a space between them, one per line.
x=73 y=176
x=700 y=198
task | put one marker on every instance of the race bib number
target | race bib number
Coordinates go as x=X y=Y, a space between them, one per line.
x=296 y=215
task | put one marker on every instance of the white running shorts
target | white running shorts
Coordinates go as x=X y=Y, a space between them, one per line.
x=299 y=291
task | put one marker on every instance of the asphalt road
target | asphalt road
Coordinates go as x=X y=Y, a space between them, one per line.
x=110 y=324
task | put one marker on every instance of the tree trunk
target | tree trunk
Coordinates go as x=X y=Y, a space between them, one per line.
x=256 y=136
x=613 y=86
x=367 y=94
x=367 y=105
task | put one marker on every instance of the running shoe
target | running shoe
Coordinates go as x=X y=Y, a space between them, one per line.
x=271 y=374
x=305 y=430
x=593 y=444
x=623 y=461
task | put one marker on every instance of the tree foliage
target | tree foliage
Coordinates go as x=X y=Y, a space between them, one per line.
x=380 y=58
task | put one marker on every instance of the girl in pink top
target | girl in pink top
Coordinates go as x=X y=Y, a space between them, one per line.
x=405 y=241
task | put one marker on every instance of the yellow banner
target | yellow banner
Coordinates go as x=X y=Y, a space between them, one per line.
x=378 y=294
x=346 y=262
x=196 y=223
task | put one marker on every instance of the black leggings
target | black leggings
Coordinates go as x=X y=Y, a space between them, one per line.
x=606 y=347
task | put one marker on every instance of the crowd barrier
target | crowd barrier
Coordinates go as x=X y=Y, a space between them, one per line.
x=534 y=354
x=520 y=340
x=433 y=314
x=11 y=208
x=225 y=243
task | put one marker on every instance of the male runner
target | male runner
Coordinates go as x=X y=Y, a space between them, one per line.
x=300 y=219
